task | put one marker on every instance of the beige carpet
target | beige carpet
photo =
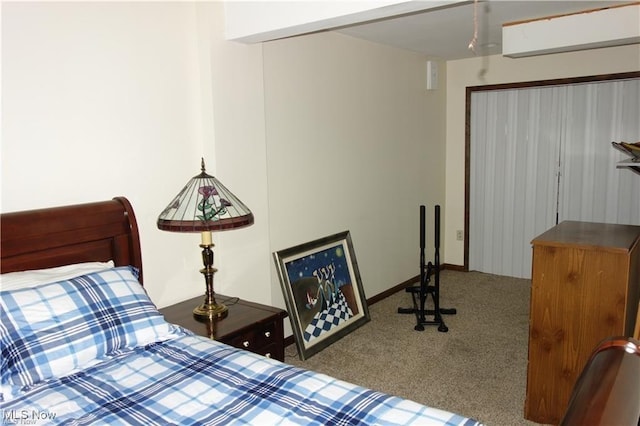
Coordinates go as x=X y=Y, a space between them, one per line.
x=477 y=368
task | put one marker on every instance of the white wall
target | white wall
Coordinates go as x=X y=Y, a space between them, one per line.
x=356 y=143
x=107 y=99
x=236 y=79
x=495 y=70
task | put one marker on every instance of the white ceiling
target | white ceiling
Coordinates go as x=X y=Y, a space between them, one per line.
x=446 y=32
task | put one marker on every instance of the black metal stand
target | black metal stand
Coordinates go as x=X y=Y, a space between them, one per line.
x=420 y=292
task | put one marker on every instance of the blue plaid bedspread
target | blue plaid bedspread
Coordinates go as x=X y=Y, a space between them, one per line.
x=190 y=380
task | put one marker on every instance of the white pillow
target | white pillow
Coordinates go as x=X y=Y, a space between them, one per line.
x=28 y=279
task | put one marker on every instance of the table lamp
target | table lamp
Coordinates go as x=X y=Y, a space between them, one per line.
x=205 y=205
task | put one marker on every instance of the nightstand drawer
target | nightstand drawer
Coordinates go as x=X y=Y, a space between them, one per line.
x=256 y=338
x=270 y=351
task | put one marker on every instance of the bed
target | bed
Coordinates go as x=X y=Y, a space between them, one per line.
x=83 y=344
x=608 y=389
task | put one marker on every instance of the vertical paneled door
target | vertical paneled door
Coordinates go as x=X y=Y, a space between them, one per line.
x=542 y=155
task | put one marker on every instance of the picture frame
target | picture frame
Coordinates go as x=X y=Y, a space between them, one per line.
x=323 y=291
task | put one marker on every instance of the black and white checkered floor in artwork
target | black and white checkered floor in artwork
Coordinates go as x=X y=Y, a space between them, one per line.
x=337 y=313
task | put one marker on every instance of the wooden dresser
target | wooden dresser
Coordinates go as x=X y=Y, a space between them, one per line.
x=585 y=287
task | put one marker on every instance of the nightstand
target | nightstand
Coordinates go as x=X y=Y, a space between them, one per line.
x=251 y=326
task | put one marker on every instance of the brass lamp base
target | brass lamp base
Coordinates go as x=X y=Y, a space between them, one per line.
x=207 y=312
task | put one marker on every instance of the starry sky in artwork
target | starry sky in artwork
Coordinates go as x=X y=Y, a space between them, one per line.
x=329 y=264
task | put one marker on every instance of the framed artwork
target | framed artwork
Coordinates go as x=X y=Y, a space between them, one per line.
x=323 y=291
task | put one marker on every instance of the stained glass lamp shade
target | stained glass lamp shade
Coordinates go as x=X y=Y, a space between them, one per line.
x=205 y=205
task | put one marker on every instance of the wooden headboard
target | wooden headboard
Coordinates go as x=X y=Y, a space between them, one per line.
x=45 y=238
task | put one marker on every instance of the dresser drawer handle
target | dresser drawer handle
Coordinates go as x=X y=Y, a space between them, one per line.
x=267 y=334
x=245 y=343
x=268 y=354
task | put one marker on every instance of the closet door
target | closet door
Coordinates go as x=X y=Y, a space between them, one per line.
x=591 y=188
x=540 y=156
x=513 y=175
